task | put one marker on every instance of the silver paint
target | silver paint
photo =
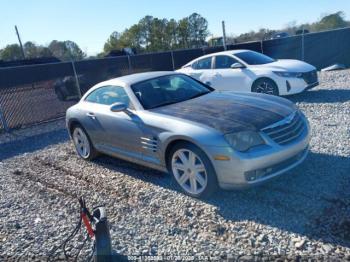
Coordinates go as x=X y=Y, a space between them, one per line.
x=143 y=136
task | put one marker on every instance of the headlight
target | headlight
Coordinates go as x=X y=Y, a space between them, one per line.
x=289 y=74
x=242 y=141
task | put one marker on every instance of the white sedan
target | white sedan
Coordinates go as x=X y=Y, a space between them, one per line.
x=249 y=71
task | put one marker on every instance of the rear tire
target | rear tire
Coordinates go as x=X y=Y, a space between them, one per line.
x=83 y=144
x=265 y=86
x=192 y=170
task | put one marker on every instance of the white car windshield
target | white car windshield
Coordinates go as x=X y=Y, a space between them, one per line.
x=254 y=58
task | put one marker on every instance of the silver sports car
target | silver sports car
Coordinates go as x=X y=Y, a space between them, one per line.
x=205 y=138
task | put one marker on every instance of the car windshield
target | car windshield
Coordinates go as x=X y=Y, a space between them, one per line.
x=254 y=58
x=167 y=90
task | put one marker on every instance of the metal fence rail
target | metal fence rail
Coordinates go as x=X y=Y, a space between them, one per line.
x=36 y=93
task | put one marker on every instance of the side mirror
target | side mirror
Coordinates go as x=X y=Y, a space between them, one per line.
x=118 y=107
x=237 y=65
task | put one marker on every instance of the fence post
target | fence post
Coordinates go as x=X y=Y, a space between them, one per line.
x=302 y=46
x=129 y=63
x=3 y=121
x=76 y=79
x=172 y=59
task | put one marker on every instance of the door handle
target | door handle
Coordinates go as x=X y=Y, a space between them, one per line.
x=91 y=115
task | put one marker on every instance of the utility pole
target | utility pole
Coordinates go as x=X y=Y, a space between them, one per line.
x=20 y=42
x=224 y=35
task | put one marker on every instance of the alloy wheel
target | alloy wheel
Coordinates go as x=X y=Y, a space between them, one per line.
x=81 y=142
x=266 y=88
x=189 y=171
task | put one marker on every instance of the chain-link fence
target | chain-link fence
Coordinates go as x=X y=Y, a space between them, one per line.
x=36 y=93
x=91 y=72
x=28 y=95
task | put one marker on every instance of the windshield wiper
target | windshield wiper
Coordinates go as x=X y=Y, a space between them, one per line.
x=177 y=101
x=164 y=104
x=198 y=95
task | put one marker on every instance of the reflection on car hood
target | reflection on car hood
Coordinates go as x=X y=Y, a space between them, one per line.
x=289 y=65
x=231 y=112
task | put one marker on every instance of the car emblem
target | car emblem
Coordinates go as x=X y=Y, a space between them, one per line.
x=289 y=118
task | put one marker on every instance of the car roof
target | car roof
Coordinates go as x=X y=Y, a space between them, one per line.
x=138 y=77
x=128 y=80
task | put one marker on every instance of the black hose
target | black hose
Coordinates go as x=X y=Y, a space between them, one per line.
x=79 y=250
x=64 y=243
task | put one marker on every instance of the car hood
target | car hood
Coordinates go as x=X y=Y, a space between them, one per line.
x=287 y=65
x=230 y=112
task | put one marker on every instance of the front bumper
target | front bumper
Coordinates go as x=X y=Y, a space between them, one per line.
x=291 y=86
x=260 y=165
x=312 y=85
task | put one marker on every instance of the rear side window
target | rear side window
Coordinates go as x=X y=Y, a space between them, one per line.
x=108 y=95
x=204 y=63
x=224 y=61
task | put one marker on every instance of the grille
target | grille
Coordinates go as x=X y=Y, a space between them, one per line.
x=286 y=131
x=310 y=77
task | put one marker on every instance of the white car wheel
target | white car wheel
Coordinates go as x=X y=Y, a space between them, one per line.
x=81 y=142
x=265 y=86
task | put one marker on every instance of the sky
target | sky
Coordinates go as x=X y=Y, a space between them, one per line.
x=89 y=23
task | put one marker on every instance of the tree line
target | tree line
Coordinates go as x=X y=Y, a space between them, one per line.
x=152 y=34
x=63 y=50
x=326 y=22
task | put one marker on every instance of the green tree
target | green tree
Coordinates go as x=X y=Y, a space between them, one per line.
x=198 y=29
x=74 y=50
x=145 y=25
x=113 y=43
x=183 y=33
x=128 y=38
x=157 y=38
x=327 y=22
x=171 y=37
x=332 y=21
x=154 y=34
x=32 y=50
x=66 y=50
x=132 y=38
x=11 y=52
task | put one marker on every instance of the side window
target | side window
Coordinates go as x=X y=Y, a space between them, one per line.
x=204 y=63
x=108 y=95
x=224 y=61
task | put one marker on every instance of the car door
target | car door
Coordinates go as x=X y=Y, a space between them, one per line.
x=227 y=78
x=113 y=132
x=202 y=70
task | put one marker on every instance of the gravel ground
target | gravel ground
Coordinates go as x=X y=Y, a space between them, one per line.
x=304 y=214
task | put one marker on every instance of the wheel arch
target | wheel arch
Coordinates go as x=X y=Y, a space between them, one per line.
x=172 y=142
x=73 y=123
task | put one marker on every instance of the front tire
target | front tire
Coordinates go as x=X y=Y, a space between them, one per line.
x=82 y=143
x=265 y=86
x=192 y=170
